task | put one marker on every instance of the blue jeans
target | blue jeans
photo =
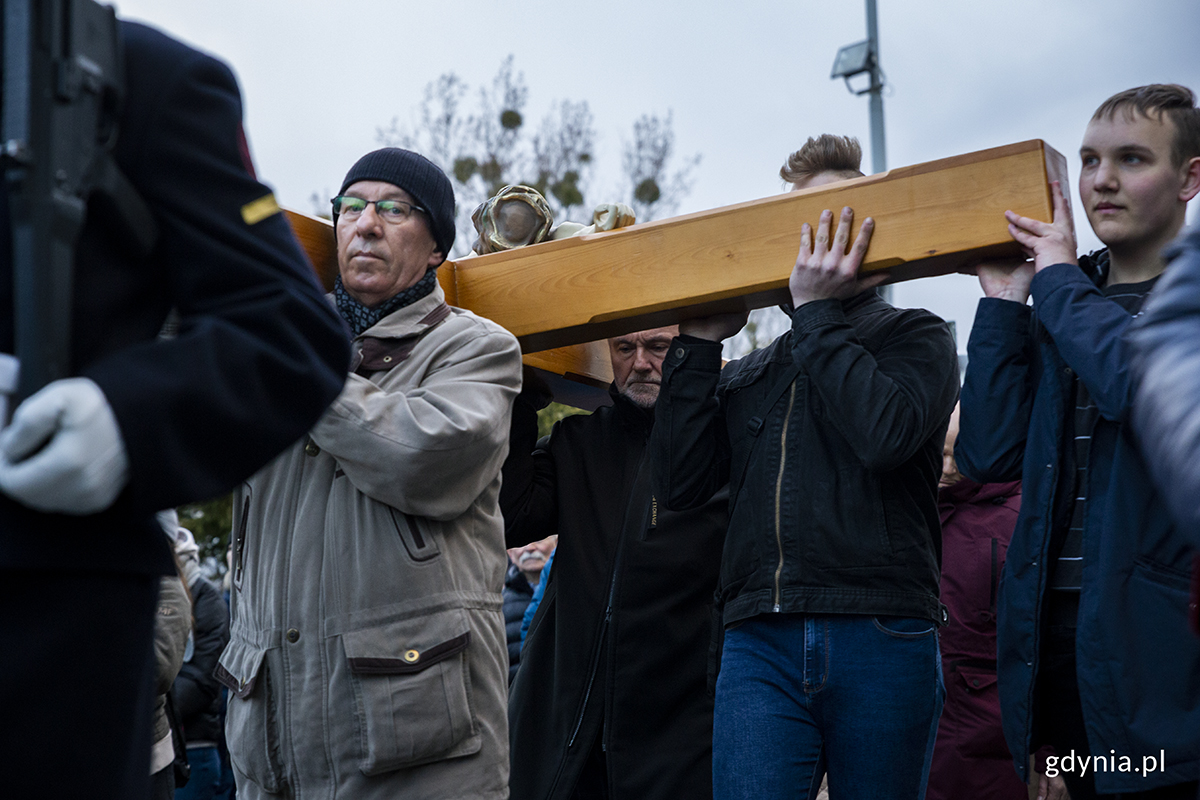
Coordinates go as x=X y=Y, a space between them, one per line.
x=206 y=774
x=852 y=696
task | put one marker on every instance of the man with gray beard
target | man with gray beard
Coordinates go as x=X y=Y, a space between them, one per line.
x=612 y=698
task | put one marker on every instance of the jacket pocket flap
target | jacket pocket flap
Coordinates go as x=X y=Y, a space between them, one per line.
x=238 y=667
x=977 y=679
x=408 y=646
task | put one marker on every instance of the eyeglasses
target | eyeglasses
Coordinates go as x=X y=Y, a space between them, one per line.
x=390 y=210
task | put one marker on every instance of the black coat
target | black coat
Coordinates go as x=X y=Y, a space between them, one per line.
x=619 y=647
x=259 y=354
x=196 y=692
x=837 y=511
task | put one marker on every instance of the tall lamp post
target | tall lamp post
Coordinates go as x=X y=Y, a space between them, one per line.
x=863 y=58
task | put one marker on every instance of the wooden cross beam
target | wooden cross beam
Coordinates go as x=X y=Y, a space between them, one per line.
x=930 y=219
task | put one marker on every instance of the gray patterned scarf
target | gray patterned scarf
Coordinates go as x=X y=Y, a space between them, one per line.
x=360 y=318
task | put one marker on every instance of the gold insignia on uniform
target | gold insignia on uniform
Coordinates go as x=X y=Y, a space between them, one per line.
x=260 y=209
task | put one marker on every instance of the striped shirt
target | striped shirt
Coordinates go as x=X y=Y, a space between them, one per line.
x=1067 y=541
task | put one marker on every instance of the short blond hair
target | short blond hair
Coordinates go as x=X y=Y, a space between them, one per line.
x=825 y=153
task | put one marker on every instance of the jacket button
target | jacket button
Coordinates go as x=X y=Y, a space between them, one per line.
x=293 y=635
x=1067 y=371
x=411 y=656
x=311 y=448
x=679 y=352
x=975 y=682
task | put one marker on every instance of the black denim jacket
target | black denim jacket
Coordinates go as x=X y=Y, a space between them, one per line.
x=836 y=511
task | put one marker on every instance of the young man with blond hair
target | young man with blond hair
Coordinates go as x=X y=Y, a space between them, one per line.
x=1095 y=657
x=822 y=160
x=830 y=440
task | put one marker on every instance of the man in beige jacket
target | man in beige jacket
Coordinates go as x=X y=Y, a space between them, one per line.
x=367 y=655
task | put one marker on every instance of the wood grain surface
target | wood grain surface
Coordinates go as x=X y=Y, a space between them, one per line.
x=561 y=298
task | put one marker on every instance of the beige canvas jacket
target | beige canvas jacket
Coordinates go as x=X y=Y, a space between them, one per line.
x=367 y=655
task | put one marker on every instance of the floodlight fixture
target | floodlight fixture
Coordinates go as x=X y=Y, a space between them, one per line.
x=853 y=59
x=862 y=58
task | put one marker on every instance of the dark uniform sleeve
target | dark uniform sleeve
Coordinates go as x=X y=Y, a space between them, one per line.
x=259 y=353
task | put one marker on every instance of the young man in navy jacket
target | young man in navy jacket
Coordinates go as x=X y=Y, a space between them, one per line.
x=1094 y=653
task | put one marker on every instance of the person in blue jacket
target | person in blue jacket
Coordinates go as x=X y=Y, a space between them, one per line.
x=1094 y=654
x=145 y=422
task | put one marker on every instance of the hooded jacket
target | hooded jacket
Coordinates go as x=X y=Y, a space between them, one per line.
x=367 y=656
x=970 y=758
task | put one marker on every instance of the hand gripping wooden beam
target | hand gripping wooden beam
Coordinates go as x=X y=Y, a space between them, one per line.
x=930 y=219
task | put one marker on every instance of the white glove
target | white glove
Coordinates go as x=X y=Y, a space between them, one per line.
x=63 y=452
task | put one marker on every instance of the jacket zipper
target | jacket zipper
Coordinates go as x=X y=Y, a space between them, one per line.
x=607 y=641
x=609 y=644
x=779 y=490
x=603 y=643
x=591 y=676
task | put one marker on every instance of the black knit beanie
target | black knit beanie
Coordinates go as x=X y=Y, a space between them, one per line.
x=421 y=178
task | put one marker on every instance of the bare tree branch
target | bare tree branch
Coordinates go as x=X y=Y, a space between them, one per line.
x=654 y=190
x=488 y=148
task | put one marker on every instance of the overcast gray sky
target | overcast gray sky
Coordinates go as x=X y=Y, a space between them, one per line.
x=746 y=84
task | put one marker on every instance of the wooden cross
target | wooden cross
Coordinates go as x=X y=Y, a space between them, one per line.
x=560 y=297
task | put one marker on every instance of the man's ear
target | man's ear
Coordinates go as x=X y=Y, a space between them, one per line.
x=1191 y=182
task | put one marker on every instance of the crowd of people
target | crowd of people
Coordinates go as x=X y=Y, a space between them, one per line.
x=815 y=568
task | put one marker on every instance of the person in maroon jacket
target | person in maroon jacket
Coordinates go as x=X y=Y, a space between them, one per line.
x=970 y=757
